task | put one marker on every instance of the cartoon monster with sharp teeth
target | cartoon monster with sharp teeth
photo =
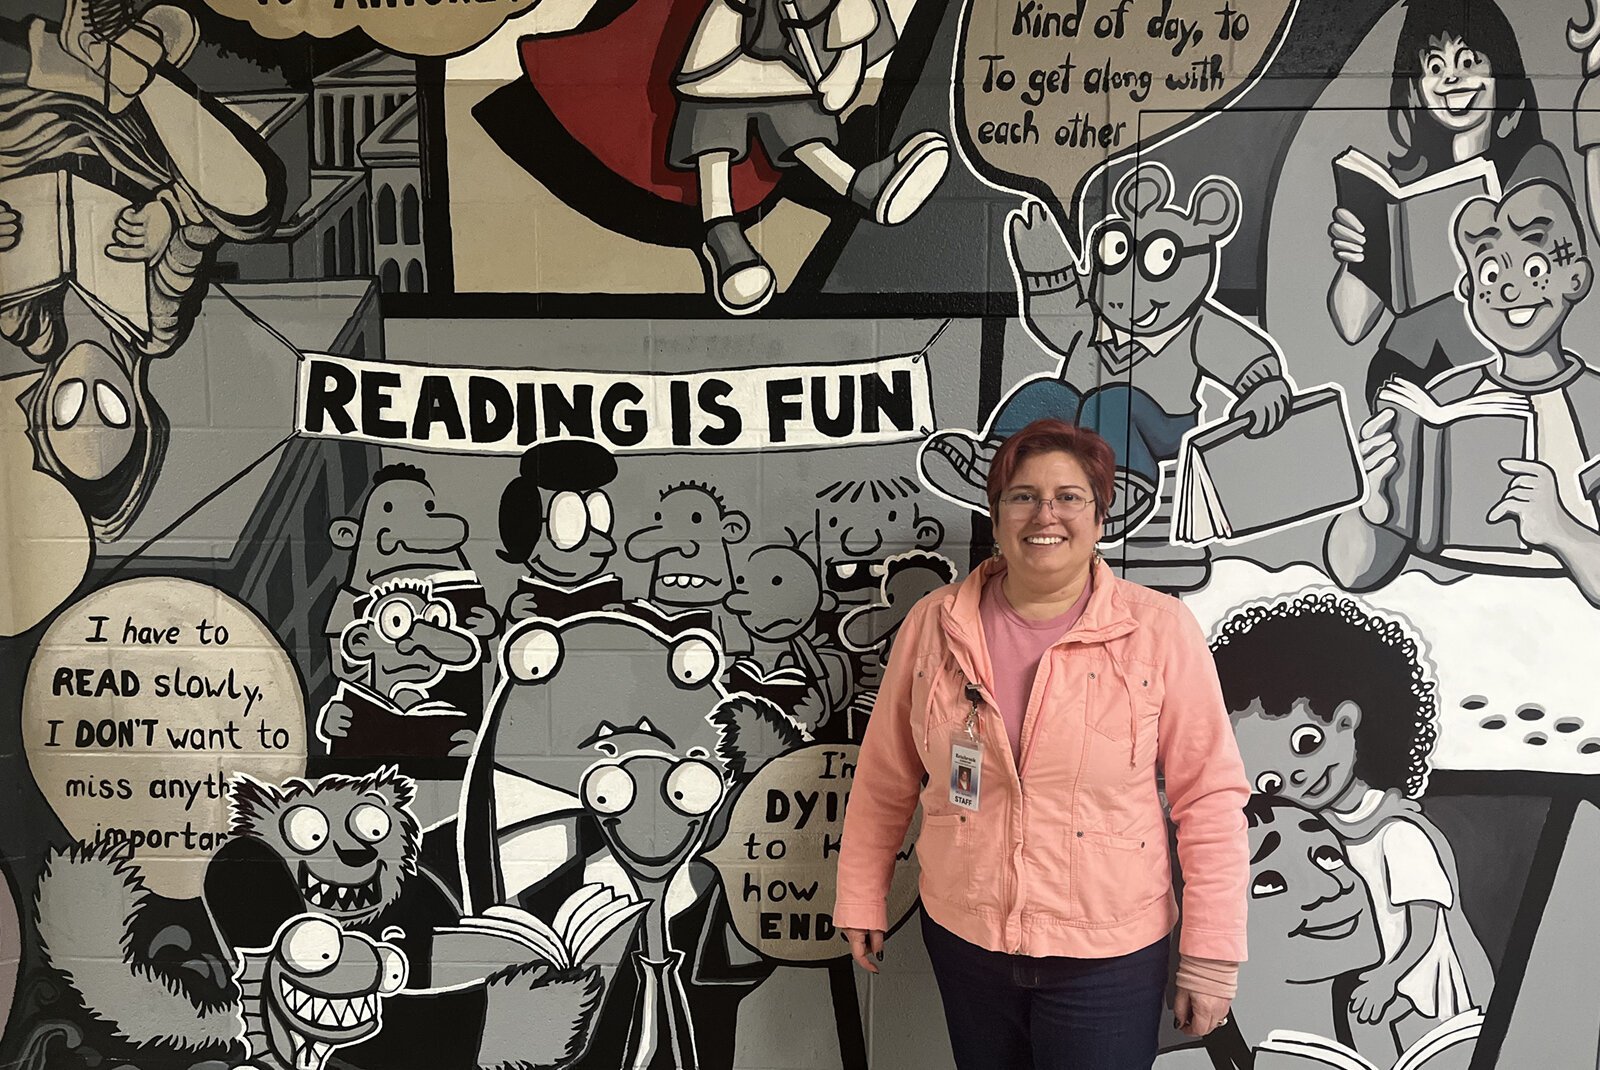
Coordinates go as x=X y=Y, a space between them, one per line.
x=317 y=987
x=341 y=846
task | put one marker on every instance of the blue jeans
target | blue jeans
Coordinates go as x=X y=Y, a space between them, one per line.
x=1140 y=431
x=1014 y=1012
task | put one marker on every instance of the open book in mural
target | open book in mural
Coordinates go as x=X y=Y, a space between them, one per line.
x=648 y=405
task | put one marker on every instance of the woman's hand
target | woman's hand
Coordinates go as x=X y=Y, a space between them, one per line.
x=863 y=941
x=1198 y=1013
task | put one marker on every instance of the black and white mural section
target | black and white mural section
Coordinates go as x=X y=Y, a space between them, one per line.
x=463 y=469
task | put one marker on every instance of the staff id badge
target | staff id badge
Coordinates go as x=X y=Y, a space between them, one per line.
x=966 y=768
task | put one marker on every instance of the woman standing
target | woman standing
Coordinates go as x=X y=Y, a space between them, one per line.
x=1063 y=691
x=1459 y=92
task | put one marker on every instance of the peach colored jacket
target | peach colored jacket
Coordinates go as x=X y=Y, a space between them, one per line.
x=1072 y=858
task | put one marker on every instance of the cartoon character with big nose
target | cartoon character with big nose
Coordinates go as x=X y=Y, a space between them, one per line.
x=404 y=643
x=1141 y=311
x=691 y=568
x=401 y=533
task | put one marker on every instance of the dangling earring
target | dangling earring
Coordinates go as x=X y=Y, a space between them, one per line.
x=997 y=552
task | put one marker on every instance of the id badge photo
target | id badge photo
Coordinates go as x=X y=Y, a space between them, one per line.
x=966 y=771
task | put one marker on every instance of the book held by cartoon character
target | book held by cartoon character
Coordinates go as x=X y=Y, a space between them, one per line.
x=1232 y=485
x=67 y=223
x=1410 y=258
x=504 y=935
x=1449 y=1046
x=1448 y=474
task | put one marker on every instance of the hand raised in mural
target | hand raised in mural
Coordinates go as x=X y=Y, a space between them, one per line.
x=1348 y=236
x=1379 y=461
x=142 y=232
x=1037 y=246
x=10 y=227
x=1265 y=405
x=1533 y=503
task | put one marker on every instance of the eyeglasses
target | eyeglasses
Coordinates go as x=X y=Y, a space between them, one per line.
x=1026 y=503
x=1160 y=251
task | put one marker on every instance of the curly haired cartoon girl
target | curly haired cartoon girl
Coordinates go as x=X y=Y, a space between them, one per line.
x=1335 y=708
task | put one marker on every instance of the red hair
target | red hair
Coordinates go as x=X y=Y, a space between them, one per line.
x=1093 y=453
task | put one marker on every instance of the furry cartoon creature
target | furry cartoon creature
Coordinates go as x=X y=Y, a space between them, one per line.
x=346 y=848
x=342 y=846
x=94 y=915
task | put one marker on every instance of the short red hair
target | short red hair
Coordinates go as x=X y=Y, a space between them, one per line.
x=1093 y=453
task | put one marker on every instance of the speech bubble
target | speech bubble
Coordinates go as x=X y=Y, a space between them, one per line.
x=780 y=859
x=1049 y=91
x=409 y=27
x=45 y=546
x=142 y=700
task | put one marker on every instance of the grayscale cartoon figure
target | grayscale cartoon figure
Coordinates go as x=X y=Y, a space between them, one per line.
x=401 y=532
x=403 y=643
x=1335 y=709
x=1311 y=922
x=783 y=71
x=624 y=794
x=156 y=176
x=315 y=989
x=691 y=564
x=555 y=520
x=347 y=849
x=1515 y=461
x=1460 y=96
x=1144 y=297
x=779 y=599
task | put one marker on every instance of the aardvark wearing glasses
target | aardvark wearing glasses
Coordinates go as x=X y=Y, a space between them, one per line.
x=1030 y=709
x=1144 y=291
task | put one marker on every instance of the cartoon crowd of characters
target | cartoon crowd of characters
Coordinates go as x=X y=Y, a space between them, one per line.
x=606 y=731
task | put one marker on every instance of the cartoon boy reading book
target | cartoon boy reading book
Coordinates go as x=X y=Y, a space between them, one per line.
x=1524 y=500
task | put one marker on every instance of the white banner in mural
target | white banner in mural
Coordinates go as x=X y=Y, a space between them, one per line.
x=506 y=410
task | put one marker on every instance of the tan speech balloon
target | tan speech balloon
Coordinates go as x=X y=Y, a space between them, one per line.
x=409 y=27
x=779 y=860
x=143 y=698
x=45 y=544
x=1048 y=90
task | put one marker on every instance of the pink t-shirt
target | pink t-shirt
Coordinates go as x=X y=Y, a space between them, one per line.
x=1016 y=646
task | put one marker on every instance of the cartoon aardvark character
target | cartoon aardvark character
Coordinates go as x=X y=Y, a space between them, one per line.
x=1146 y=297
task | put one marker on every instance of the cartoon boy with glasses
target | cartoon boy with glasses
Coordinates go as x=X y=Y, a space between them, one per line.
x=556 y=519
x=403 y=641
x=1146 y=295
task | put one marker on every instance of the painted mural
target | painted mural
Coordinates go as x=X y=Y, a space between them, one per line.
x=463 y=467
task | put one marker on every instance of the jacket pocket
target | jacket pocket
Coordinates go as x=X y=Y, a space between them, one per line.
x=1116 y=877
x=1122 y=694
x=943 y=852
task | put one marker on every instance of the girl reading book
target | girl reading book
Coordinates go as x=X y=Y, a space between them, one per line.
x=1459 y=93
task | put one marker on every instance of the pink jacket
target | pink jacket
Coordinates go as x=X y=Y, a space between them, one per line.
x=1070 y=859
